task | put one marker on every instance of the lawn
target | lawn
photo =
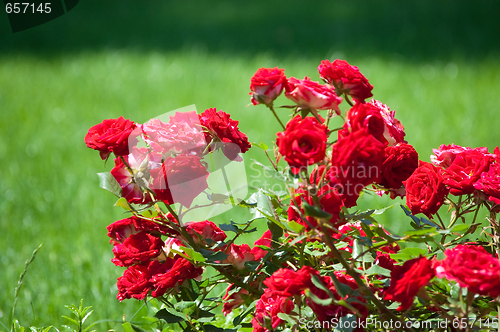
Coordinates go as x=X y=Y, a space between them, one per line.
x=436 y=66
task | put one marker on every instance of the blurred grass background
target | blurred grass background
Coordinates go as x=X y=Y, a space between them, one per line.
x=435 y=63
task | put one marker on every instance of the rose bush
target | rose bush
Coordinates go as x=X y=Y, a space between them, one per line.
x=322 y=260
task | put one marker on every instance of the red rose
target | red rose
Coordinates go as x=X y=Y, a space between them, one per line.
x=400 y=162
x=266 y=85
x=287 y=282
x=466 y=169
x=364 y=116
x=425 y=189
x=330 y=201
x=265 y=240
x=333 y=311
x=446 y=154
x=238 y=255
x=122 y=229
x=303 y=142
x=407 y=280
x=346 y=231
x=267 y=310
x=203 y=230
x=182 y=133
x=489 y=183
x=394 y=131
x=234 y=300
x=221 y=128
x=111 y=135
x=172 y=273
x=356 y=161
x=179 y=179
x=131 y=191
x=346 y=78
x=473 y=268
x=135 y=282
x=311 y=94
x=136 y=249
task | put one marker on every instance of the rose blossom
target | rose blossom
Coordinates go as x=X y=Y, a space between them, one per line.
x=137 y=248
x=267 y=309
x=122 y=229
x=394 y=131
x=205 y=230
x=407 y=280
x=351 y=229
x=466 y=169
x=473 y=268
x=111 y=135
x=356 y=160
x=425 y=189
x=286 y=282
x=329 y=201
x=311 y=94
x=366 y=116
x=179 y=179
x=172 y=273
x=346 y=78
x=238 y=255
x=135 y=282
x=489 y=183
x=400 y=162
x=234 y=300
x=182 y=134
x=446 y=154
x=131 y=191
x=222 y=128
x=265 y=240
x=267 y=84
x=334 y=311
x=303 y=142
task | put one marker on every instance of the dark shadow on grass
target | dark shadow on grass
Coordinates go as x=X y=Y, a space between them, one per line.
x=416 y=30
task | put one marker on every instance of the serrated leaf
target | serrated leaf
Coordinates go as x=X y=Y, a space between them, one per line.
x=296 y=227
x=194 y=255
x=314 y=211
x=108 y=182
x=341 y=288
x=229 y=228
x=409 y=253
x=170 y=316
x=186 y=307
x=213 y=257
x=376 y=269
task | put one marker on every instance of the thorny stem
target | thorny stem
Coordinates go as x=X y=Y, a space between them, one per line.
x=362 y=287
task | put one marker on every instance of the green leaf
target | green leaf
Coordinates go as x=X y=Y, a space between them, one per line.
x=409 y=253
x=229 y=228
x=122 y=202
x=260 y=145
x=186 y=307
x=296 y=227
x=107 y=181
x=316 y=299
x=341 y=288
x=314 y=211
x=460 y=228
x=213 y=257
x=421 y=231
x=170 y=316
x=376 y=269
x=238 y=319
x=194 y=255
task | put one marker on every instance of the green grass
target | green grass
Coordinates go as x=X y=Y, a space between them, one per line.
x=52 y=89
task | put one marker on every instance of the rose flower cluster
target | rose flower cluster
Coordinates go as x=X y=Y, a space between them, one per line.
x=321 y=256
